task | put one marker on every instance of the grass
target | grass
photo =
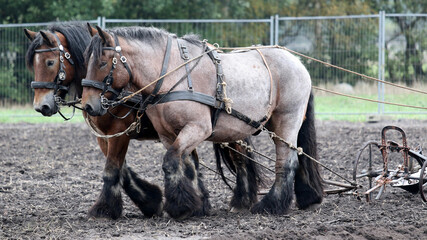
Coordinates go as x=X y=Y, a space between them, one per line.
x=20 y=114
x=327 y=106
x=343 y=108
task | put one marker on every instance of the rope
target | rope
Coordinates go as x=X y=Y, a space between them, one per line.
x=301 y=152
x=325 y=63
x=246 y=156
x=271 y=76
x=213 y=170
x=95 y=131
x=367 y=99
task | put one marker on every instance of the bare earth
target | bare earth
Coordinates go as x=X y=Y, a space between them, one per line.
x=50 y=174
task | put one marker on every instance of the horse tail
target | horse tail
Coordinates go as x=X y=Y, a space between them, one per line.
x=308 y=181
x=247 y=171
x=222 y=155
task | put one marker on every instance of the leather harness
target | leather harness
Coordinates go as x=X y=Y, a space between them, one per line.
x=60 y=77
x=216 y=102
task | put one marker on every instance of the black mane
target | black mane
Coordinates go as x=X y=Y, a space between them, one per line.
x=150 y=35
x=77 y=37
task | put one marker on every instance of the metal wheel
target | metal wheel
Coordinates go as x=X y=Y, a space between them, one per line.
x=367 y=167
x=423 y=182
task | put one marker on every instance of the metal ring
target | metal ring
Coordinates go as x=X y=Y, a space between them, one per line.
x=123 y=59
x=114 y=60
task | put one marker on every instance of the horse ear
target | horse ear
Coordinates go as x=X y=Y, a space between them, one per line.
x=106 y=38
x=30 y=34
x=46 y=38
x=93 y=31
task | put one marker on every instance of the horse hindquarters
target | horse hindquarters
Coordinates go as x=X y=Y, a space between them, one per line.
x=308 y=182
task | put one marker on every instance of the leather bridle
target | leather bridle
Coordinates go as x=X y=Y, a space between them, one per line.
x=106 y=84
x=61 y=76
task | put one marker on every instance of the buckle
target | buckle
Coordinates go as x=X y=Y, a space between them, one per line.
x=67 y=55
x=123 y=59
x=114 y=60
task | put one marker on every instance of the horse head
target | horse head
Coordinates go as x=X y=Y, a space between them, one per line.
x=108 y=72
x=56 y=58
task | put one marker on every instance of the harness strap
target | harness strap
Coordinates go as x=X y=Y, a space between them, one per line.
x=48 y=85
x=100 y=86
x=123 y=59
x=164 y=66
x=184 y=55
x=207 y=100
x=159 y=83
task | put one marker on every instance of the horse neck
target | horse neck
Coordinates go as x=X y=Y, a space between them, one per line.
x=146 y=61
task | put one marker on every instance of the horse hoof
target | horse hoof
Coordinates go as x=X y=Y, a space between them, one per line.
x=239 y=210
x=313 y=207
x=104 y=211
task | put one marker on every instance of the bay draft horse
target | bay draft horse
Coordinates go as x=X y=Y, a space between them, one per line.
x=59 y=49
x=281 y=100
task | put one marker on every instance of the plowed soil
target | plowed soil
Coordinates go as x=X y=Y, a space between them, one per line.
x=51 y=174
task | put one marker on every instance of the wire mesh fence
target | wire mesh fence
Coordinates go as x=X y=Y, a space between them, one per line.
x=391 y=47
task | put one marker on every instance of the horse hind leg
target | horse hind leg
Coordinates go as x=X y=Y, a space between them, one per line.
x=146 y=196
x=279 y=198
x=247 y=175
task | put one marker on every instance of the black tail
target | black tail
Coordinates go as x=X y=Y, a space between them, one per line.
x=308 y=182
x=247 y=172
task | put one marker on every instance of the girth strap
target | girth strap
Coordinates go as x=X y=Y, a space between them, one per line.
x=207 y=100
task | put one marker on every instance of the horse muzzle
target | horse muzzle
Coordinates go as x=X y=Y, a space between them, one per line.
x=94 y=108
x=47 y=107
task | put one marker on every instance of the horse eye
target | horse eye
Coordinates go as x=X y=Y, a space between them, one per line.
x=102 y=64
x=50 y=63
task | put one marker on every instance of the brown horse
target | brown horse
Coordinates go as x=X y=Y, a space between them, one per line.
x=268 y=87
x=59 y=50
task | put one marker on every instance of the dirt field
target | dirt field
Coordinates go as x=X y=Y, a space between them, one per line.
x=51 y=174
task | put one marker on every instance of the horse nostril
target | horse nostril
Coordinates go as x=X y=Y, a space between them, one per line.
x=45 y=110
x=89 y=109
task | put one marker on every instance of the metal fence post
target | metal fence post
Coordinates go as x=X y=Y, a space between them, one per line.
x=276 y=31
x=271 y=30
x=103 y=23
x=381 y=62
x=99 y=21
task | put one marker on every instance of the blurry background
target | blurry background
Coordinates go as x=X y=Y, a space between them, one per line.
x=383 y=39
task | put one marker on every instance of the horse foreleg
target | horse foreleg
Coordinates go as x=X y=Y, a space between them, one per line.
x=109 y=203
x=183 y=195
